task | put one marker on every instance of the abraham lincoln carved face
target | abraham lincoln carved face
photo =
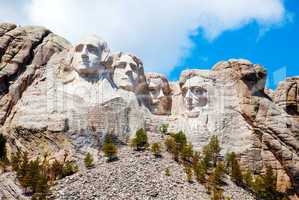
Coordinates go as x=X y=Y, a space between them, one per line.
x=194 y=92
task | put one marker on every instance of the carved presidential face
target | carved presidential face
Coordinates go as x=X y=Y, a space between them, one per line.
x=126 y=72
x=194 y=95
x=88 y=55
x=159 y=92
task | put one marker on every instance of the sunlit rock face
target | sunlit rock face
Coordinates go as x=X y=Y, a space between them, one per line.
x=160 y=93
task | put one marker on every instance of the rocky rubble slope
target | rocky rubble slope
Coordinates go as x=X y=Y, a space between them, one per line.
x=137 y=175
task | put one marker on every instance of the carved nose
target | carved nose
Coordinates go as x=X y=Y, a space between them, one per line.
x=188 y=94
x=128 y=70
x=161 y=94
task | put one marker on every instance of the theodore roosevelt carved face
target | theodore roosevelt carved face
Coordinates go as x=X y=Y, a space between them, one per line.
x=160 y=93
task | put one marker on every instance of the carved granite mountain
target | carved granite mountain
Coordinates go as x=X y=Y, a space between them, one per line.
x=56 y=97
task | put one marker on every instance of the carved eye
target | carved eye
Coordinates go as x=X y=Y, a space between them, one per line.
x=133 y=67
x=92 y=49
x=154 y=92
x=79 y=48
x=121 y=64
x=198 y=90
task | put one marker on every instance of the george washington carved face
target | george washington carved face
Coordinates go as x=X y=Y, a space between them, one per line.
x=88 y=56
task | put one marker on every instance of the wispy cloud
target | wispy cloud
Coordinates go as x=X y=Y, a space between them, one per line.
x=157 y=31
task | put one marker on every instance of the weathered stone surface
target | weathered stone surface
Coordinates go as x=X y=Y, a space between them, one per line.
x=287 y=95
x=48 y=105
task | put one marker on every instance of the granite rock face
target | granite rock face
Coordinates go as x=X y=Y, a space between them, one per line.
x=55 y=97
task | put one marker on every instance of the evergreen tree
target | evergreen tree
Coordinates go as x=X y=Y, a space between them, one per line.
x=2 y=148
x=167 y=172
x=163 y=129
x=180 y=139
x=200 y=172
x=156 y=149
x=140 y=142
x=189 y=173
x=187 y=152
x=16 y=160
x=88 y=160
x=170 y=144
x=195 y=159
x=217 y=194
x=56 y=170
x=216 y=178
x=110 y=151
x=69 y=168
x=248 y=178
x=211 y=152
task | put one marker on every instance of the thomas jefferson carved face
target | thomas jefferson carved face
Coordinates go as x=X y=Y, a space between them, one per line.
x=88 y=56
x=159 y=91
x=194 y=95
x=127 y=71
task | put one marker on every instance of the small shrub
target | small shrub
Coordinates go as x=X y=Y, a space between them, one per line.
x=180 y=139
x=211 y=152
x=69 y=168
x=55 y=170
x=217 y=194
x=187 y=152
x=110 y=151
x=140 y=142
x=170 y=144
x=216 y=178
x=248 y=178
x=156 y=149
x=167 y=172
x=200 y=172
x=189 y=173
x=234 y=168
x=163 y=128
x=88 y=161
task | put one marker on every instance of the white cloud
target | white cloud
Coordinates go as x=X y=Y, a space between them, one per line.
x=157 y=31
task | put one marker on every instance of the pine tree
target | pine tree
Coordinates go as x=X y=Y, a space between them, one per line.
x=189 y=173
x=211 y=152
x=16 y=160
x=180 y=139
x=187 y=152
x=195 y=159
x=217 y=194
x=88 y=161
x=216 y=177
x=140 y=142
x=167 y=172
x=110 y=151
x=215 y=148
x=156 y=149
x=248 y=178
x=2 y=148
x=163 y=129
x=200 y=172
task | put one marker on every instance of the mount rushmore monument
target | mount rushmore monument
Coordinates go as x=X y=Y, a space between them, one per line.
x=56 y=96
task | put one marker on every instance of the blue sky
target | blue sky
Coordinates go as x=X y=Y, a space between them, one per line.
x=172 y=35
x=277 y=49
